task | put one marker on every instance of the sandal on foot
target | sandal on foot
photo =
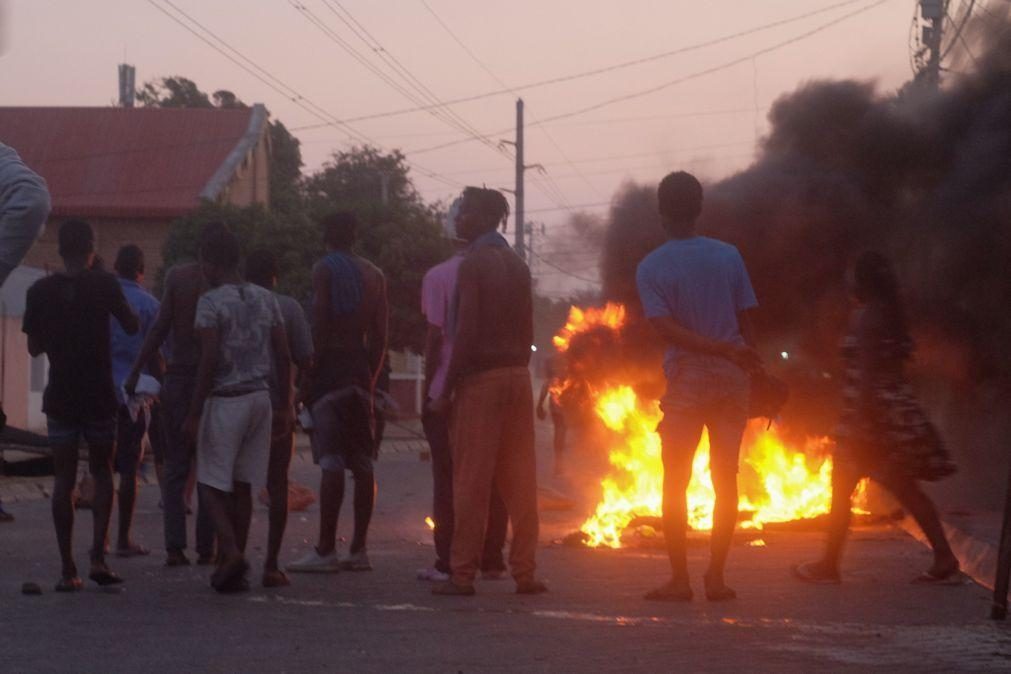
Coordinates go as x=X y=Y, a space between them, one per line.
x=71 y=584
x=719 y=592
x=105 y=577
x=134 y=550
x=670 y=592
x=809 y=573
x=952 y=577
x=228 y=573
x=275 y=578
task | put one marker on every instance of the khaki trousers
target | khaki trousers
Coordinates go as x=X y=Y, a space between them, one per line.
x=493 y=443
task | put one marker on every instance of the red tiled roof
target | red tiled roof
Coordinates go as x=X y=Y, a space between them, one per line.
x=124 y=162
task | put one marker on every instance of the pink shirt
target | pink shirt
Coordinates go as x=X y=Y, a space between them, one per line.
x=437 y=290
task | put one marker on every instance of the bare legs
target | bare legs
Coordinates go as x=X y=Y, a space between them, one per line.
x=331 y=495
x=912 y=498
x=65 y=464
x=231 y=514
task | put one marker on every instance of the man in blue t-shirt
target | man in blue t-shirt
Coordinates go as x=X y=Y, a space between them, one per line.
x=696 y=293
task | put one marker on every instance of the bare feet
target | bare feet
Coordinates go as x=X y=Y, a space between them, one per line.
x=818 y=573
x=275 y=578
x=717 y=589
x=673 y=590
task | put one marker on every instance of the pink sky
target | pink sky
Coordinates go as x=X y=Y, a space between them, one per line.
x=62 y=52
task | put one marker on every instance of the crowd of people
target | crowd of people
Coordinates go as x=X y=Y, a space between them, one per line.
x=216 y=373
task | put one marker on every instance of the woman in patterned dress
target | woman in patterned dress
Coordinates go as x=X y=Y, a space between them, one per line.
x=883 y=432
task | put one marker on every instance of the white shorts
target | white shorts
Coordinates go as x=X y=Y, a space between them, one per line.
x=233 y=444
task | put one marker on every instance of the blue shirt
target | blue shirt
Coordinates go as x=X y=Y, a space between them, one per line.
x=125 y=348
x=702 y=284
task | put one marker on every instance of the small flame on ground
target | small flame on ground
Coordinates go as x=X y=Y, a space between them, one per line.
x=430 y=523
x=757 y=543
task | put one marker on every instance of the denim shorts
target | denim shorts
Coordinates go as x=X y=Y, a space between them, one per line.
x=342 y=433
x=96 y=433
x=697 y=398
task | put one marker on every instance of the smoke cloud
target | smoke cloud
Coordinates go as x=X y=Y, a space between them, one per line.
x=924 y=177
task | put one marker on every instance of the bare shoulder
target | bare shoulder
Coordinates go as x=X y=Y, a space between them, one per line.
x=369 y=270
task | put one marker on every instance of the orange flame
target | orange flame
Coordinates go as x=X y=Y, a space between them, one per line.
x=430 y=523
x=580 y=320
x=778 y=483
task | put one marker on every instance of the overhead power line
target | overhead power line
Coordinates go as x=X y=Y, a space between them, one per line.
x=467 y=50
x=610 y=68
x=277 y=85
x=565 y=271
x=685 y=78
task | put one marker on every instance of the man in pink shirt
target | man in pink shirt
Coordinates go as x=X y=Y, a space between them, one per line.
x=437 y=291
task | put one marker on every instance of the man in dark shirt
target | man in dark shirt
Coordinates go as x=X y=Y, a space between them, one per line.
x=493 y=411
x=67 y=318
x=184 y=283
x=349 y=322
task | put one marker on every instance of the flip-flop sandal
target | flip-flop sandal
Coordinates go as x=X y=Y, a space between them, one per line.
x=235 y=586
x=956 y=577
x=670 y=593
x=720 y=594
x=135 y=550
x=105 y=578
x=804 y=572
x=276 y=579
x=74 y=584
x=228 y=574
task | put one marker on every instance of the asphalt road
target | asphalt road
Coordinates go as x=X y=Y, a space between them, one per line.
x=169 y=620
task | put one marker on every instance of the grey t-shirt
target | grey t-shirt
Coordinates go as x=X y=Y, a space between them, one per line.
x=296 y=327
x=244 y=315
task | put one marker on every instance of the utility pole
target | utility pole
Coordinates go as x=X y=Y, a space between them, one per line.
x=520 y=222
x=933 y=11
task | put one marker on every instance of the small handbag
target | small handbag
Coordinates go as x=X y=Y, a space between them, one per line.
x=768 y=396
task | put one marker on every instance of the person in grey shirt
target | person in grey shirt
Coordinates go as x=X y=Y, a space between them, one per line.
x=24 y=208
x=261 y=269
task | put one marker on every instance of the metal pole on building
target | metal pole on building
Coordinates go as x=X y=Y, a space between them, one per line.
x=519 y=221
x=933 y=11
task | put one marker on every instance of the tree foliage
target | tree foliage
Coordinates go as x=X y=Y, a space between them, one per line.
x=399 y=232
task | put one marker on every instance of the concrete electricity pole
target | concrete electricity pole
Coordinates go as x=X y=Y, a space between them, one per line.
x=933 y=11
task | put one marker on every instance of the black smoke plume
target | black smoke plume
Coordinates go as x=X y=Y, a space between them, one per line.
x=924 y=177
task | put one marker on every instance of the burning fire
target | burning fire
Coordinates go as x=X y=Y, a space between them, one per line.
x=430 y=523
x=777 y=483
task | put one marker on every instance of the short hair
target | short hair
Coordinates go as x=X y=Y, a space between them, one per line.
x=340 y=228
x=129 y=261
x=220 y=247
x=77 y=239
x=491 y=204
x=680 y=197
x=261 y=267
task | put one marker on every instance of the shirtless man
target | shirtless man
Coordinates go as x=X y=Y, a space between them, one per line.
x=349 y=322
x=184 y=283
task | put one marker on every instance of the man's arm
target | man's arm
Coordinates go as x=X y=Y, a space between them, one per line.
x=379 y=329
x=433 y=353
x=121 y=309
x=467 y=316
x=747 y=327
x=156 y=336
x=674 y=333
x=320 y=305
x=282 y=361
x=24 y=207
x=209 y=342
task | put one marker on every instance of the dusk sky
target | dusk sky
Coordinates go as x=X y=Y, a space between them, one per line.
x=64 y=52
